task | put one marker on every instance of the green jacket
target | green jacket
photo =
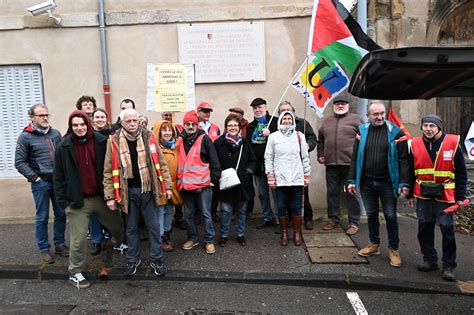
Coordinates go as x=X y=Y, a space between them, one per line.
x=67 y=180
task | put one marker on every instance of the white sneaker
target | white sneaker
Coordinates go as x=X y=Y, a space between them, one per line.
x=79 y=281
x=122 y=248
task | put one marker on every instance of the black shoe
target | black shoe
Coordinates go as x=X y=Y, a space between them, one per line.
x=79 y=281
x=448 y=274
x=158 y=267
x=266 y=224
x=95 y=249
x=428 y=266
x=131 y=269
x=241 y=240
x=222 y=241
x=181 y=224
x=308 y=225
x=62 y=251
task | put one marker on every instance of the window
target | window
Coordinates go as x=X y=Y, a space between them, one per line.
x=21 y=86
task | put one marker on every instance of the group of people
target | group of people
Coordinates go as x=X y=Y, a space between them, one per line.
x=117 y=179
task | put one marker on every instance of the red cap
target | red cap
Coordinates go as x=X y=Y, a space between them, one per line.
x=190 y=116
x=204 y=105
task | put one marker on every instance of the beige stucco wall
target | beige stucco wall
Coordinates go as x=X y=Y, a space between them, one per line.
x=71 y=66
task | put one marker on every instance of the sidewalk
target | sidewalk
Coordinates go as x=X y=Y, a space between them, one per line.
x=263 y=260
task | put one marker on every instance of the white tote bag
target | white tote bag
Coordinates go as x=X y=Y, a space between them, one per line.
x=229 y=176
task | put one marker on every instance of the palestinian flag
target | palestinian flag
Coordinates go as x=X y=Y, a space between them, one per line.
x=331 y=48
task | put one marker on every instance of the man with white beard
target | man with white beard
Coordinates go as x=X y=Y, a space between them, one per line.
x=336 y=139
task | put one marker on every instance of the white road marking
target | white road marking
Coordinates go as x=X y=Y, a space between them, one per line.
x=356 y=303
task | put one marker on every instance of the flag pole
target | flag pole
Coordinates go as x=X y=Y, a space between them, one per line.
x=286 y=90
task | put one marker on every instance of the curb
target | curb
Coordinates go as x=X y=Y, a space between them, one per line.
x=335 y=281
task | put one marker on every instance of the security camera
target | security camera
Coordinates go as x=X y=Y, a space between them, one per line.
x=45 y=7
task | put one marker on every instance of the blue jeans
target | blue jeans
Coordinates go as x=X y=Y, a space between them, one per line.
x=95 y=229
x=166 y=217
x=43 y=192
x=428 y=212
x=289 y=200
x=193 y=202
x=372 y=191
x=143 y=204
x=264 y=196
x=226 y=215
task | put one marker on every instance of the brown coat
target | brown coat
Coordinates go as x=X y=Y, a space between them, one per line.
x=109 y=192
x=336 y=138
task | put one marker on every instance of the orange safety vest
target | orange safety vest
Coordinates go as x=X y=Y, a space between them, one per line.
x=116 y=166
x=193 y=173
x=442 y=172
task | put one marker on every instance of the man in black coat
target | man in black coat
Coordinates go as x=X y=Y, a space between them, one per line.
x=78 y=174
x=303 y=126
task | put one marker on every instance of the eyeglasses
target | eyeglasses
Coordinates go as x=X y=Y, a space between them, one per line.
x=190 y=124
x=129 y=121
x=43 y=116
x=232 y=125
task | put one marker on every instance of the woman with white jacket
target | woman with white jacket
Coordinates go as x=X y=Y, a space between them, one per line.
x=288 y=170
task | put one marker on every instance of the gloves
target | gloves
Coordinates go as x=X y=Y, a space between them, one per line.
x=271 y=181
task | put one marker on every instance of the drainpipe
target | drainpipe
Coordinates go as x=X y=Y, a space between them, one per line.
x=362 y=20
x=103 y=57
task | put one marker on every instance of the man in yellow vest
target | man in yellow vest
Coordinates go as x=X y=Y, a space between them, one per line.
x=439 y=179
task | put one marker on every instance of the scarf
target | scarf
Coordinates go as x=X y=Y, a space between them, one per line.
x=287 y=130
x=257 y=137
x=170 y=144
x=126 y=161
x=233 y=141
x=40 y=129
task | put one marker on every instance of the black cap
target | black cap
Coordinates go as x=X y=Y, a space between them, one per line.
x=258 y=101
x=431 y=118
x=340 y=99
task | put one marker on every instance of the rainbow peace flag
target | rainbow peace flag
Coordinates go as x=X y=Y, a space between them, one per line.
x=331 y=47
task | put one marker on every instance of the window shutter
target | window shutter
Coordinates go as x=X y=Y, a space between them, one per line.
x=20 y=87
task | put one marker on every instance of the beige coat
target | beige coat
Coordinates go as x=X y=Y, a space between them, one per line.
x=109 y=192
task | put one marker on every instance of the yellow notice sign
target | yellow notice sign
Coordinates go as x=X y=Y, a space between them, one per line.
x=170 y=88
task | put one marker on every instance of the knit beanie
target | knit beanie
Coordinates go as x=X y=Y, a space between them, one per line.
x=190 y=116
x=434 y=119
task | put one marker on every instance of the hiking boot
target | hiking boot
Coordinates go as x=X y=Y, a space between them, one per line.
x=190 y=244
x=62 y=251
x=131 y=269
x=47 y=257
x=210 y=248
x=330 y=226
x=448 y=274
x=352 y=229
x=79 y=281
x=394 y=255
x=95 y=249
x=266 y=224
x=428 y=266
x=241 y=240
x=158 y=267
x=369 y=250
x=308 y=225
x=222 y=241
x=122 y=248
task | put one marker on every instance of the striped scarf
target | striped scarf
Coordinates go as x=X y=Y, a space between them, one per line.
x=126 y=160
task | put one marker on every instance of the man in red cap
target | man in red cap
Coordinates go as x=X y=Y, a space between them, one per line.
x=204 y=114
x=198 y=171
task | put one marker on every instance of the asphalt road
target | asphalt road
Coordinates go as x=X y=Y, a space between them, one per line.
x=138 y=297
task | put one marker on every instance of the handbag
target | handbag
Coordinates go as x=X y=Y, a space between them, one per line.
x=431 y=190
x=229 y=176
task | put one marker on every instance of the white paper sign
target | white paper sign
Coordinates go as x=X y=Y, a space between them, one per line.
x=469 y=142
x=223 y=52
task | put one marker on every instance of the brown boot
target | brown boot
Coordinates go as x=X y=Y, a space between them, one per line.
x=297 y=229
x=283 y=230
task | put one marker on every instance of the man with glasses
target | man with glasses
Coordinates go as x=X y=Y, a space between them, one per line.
x=198 y=171
x=34 y=159
x=136 y=177
x=336 y=140
x=379 y=167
